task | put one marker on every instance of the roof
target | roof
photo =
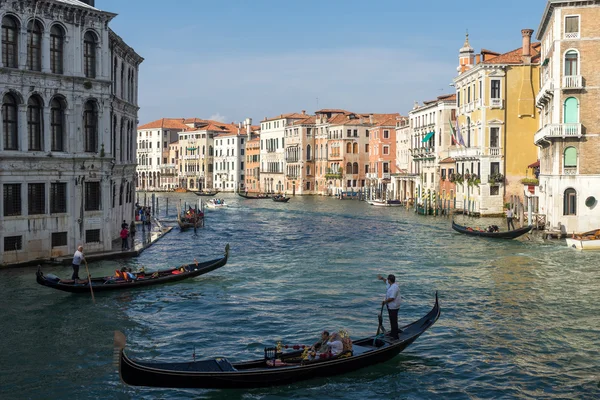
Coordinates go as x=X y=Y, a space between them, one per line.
x=441 y=98
x=77 y=3
x=448 y=160
x=165 y=123
x=288 y=115
x=534 y=165
x=515 y=56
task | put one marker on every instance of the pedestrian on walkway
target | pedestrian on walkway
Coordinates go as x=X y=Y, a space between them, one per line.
x=77 y=259
x=124 y=239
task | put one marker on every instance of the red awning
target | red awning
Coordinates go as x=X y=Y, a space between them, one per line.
x=534 y=165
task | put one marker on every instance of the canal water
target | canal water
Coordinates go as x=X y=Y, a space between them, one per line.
x=520 y=319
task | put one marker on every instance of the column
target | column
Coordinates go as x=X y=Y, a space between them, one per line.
x=22 y=127
x=46 y=136
x=23 y=47
x=46 y=50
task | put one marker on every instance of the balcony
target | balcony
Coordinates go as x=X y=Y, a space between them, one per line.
x=570 y=171
x=191 y=157
x=545 y=93
x=558 y=131
x=495 y=103
x=571 y=82
x=494 y=151
x=571 y=35
x=465 y=153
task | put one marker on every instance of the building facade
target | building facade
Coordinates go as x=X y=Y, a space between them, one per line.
x=299 y=156
x=569 y=131
x=69 y=105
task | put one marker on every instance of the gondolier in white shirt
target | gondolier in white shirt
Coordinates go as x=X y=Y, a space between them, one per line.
x=392 y=301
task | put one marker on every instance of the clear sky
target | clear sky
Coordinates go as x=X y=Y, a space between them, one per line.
x=233 y=59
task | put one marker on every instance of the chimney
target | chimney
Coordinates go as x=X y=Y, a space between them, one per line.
x=526 y=45
x=303 y=112
x=371 y=119
x=477 y=59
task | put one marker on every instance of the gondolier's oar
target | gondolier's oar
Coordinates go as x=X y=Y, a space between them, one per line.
x=89 y=280
x=380 y=328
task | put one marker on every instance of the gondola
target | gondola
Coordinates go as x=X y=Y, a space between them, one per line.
x=280 y=199
x=206 y=194
x=274 y=369
x=185 y=224
x=258 y=197
x=147 y=279
x=497 y=235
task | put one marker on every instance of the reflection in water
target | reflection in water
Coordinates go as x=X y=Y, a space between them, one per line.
x=519 y=318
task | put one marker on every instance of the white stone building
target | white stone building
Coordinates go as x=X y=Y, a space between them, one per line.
x=69 y=104
x=229 y=159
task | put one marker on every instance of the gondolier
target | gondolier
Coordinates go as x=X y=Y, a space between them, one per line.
x=77 y=259
x=509 y=219
x=392 y=301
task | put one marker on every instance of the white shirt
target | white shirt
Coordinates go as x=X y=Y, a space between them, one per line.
x=77 y=257
x=393 y=292
x=509 y=213
x=336 y=347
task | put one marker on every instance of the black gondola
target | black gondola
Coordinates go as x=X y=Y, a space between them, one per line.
x=219 y=373
x=497 y=235
x=257 y=197
x=156 y=278
x=280 y=198
x=211 y=193
x=188 y=223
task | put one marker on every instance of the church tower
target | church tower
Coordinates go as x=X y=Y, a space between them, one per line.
x=466 y=58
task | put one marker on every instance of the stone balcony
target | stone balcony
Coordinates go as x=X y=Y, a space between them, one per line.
x=572 y=82
x=496 y=103
x=465 y=153
x=558 y=131
x=545 y=93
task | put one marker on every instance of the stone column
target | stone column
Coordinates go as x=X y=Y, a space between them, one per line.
x=22 y=127
x=46 y=50
x=23 y=47
x=46 y=136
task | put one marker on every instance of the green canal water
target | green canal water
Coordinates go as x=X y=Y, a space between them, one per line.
x=520 y=319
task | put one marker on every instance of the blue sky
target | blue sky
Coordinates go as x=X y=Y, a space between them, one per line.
x=229 y=60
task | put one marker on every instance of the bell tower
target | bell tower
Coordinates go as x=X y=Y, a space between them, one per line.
x=466 y=57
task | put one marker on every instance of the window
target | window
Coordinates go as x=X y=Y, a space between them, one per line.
x=570 y=202
x=572 y=27
x=58 y=198
x=494 y=168
x=9 y=122
x=90 y=124
x=12 y=199
x=12 y=243
x=89 y=55
x=495 y=137
x=386 y=150
x=36 y=198
x=92 y=196
x=10 y=42
x=57 y=39
x=571 y=112
x=34 y=46
x=386 y=168
x=59 y=239
x=92 y=236
x=386 y=134
x=571 y=61
x=34 y=123
x=444 y=174
x=57 y=124
x=494 y=190
x=366 y=148
x=495 y=89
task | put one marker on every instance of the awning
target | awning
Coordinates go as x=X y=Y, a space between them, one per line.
x=534 y=165
x=428 y=136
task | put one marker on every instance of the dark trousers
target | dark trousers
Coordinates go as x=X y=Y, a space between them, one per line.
x=393 y=314
x=124 y=244
x=75 y=272
x=510 y=223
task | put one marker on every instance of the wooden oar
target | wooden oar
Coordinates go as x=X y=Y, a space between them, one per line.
x=380 y=328
x=89 y=280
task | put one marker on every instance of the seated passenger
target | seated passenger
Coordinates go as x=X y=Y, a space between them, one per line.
x=322 y=343
x=335 y=343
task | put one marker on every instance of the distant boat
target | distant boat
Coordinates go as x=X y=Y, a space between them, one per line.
x=180 y=190
x=216 y=203
x=385 y=203
x=585 y=241
x=259 y=196
x=207 y=193
x=280 y=198
x=496 y=235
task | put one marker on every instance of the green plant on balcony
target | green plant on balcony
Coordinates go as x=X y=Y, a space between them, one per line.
x=457 y=178
x=496 y=179
x=473 y=180
x=333 y=175
x=530 y=181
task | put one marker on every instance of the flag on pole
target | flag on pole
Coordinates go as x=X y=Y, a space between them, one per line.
x=459 y=136
x=452 y=132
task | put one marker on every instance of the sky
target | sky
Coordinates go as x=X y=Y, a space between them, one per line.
x=236 y=59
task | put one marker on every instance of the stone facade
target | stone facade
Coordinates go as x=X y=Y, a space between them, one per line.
x=68 y=165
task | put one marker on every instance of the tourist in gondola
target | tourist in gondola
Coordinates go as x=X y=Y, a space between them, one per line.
x=335 y=344
x=392 y=301
x=322 y=343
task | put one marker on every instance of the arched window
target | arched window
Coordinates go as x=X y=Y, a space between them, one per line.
x=355 y=148
x=10 y=122
x=348 y=148
x=570 y=202
x=57 y=41
x=348 y=168
x=34 y=123
x=89 y=55
x=571 y=63
x=570 y=157
x=10 y=42
x=308 y=153
x=355 y=168
x=57 y=124
x=571 y=111
x=90 y=125
x=34 y=46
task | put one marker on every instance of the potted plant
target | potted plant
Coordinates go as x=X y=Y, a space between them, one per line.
x=496 y=179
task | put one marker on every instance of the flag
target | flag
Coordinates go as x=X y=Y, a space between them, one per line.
x=452 y=132
x=459 y=136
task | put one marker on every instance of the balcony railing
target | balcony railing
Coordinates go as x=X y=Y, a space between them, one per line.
x=496 y=103
x=572 y=82
x=465 y=153
x=494 y=151
x=570 y=171
x=571 y=35
x=554 y=131
x=546 y=93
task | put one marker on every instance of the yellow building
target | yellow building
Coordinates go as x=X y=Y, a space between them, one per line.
x=497 y=120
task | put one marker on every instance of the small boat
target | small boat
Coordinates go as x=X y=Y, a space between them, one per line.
x=497 y=235
x=385 y=203
x=207 y=194
x=280 y=198
x=216 y=203
x=141 y=280
x=188 y=223
x=259 y=196
x=180 y=190
x=276 y=368
x=585 y=241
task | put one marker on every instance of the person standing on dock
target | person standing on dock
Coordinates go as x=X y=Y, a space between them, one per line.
x=509 y=219
x=77 y=259
x=392 y=301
